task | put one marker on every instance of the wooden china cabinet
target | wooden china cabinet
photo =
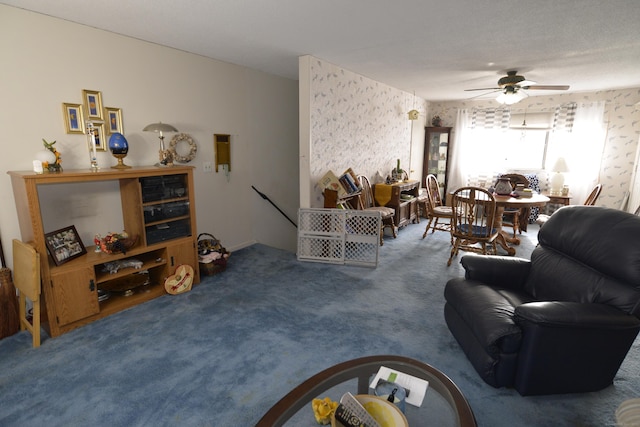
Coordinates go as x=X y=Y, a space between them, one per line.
x=437 y=141
x=158 y=206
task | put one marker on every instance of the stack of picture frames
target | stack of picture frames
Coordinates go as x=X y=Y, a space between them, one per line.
x=105 y=120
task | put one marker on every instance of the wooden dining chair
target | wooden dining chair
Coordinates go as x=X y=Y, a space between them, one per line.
x=474 y=211
x=516 y=218
x=368 y=203
x=436 y=211
x=589 y=201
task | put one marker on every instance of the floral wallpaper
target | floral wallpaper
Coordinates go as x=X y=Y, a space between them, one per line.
x=361 y=123
x=357 y=123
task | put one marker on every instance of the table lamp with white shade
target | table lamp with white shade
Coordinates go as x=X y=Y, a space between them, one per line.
x=166 y=159
x=557 y=180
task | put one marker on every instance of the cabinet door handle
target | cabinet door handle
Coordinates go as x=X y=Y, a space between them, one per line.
x=92 y=285
x=172 y=262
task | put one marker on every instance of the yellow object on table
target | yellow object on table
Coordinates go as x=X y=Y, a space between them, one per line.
x=382 y=194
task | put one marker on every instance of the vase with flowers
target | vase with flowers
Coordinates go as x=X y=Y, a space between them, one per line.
x=53 y=162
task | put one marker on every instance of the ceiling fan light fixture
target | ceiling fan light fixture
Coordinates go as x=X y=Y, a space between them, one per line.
x=509 y=97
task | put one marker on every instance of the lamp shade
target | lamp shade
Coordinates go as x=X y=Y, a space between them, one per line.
x=510 y=97
x=159 y=127
x=560 y=165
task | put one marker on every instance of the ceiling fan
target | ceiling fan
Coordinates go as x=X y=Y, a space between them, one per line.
x=511 y=86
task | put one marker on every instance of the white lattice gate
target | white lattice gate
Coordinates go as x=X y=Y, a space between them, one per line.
x=339 y=236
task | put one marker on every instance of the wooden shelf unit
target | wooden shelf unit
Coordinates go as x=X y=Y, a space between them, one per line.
x=71 y=289
x=406 y=209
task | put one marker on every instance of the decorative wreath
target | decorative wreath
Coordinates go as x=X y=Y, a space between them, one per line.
x=193 y=148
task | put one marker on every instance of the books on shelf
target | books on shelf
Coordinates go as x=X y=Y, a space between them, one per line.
x=330 y=181
x=345 y=184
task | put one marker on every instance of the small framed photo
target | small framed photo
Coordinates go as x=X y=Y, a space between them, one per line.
x=73 y=120
x=64 y=245
x=114 y=120
x=93 y=104
x=100 y=137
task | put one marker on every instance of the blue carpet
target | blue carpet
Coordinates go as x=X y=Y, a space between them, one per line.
x=223 y=353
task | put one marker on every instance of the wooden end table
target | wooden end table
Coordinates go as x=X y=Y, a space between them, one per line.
x=558 y=199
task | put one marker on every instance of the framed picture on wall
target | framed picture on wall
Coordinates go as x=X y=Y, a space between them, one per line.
x=114 y=120
x=73 y=118
x=93 y=104
x=64 y=245
x=100 y=137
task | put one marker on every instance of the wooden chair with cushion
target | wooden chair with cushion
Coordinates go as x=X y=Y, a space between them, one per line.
x=590 y=201
x=474 y=210
x=512 y=217
x=435 y=209
x=368 y=203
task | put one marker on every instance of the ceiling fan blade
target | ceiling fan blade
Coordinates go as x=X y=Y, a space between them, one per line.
x=484 y=88
x=526 y=83
x=492 y=90
x=546 y=87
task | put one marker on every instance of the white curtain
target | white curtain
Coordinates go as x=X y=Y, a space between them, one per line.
x=634 y=188
x=582 y=149
x=457 y=171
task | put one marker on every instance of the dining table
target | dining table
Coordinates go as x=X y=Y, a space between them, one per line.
x=516 y=202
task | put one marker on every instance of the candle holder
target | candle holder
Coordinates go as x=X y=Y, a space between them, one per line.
x=91 y=143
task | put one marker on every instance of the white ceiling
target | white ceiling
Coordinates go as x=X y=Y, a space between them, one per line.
x=435 y=49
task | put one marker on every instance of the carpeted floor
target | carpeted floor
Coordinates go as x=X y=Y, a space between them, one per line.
x=223 y=353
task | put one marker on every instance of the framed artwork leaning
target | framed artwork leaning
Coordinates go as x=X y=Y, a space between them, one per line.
x=64 y=245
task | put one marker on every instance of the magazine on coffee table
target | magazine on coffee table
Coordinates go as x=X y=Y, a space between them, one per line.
x=415 y=387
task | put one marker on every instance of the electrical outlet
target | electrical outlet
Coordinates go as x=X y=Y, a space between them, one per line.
x=207 y=166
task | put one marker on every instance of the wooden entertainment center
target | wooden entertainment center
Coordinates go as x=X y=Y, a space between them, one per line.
x=158 y=206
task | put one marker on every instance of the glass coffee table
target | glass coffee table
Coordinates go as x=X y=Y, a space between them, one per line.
x=443 y=405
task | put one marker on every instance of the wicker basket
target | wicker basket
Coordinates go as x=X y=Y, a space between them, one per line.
x=214 y=267
x=111 y=248
x=208 y=243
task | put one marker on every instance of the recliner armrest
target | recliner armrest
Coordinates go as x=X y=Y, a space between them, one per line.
x=503 y=271
x=574 y=315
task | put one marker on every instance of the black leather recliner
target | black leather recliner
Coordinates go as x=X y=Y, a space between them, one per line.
x=562 y=322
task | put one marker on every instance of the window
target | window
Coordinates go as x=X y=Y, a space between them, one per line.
x=521 y=147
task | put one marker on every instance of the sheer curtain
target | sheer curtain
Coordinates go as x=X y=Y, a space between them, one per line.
x=457 y=170
x=582 y=149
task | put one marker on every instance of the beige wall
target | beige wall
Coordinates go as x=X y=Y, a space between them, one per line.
x=47 y=61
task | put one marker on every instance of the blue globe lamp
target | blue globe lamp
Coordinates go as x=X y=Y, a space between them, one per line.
x=119 y=148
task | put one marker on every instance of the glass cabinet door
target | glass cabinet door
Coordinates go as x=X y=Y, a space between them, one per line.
x=436 y=155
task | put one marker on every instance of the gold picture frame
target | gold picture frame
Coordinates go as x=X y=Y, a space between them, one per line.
x=101 y=137
x=113 y=120
x=92 y=101
x=73 y=117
